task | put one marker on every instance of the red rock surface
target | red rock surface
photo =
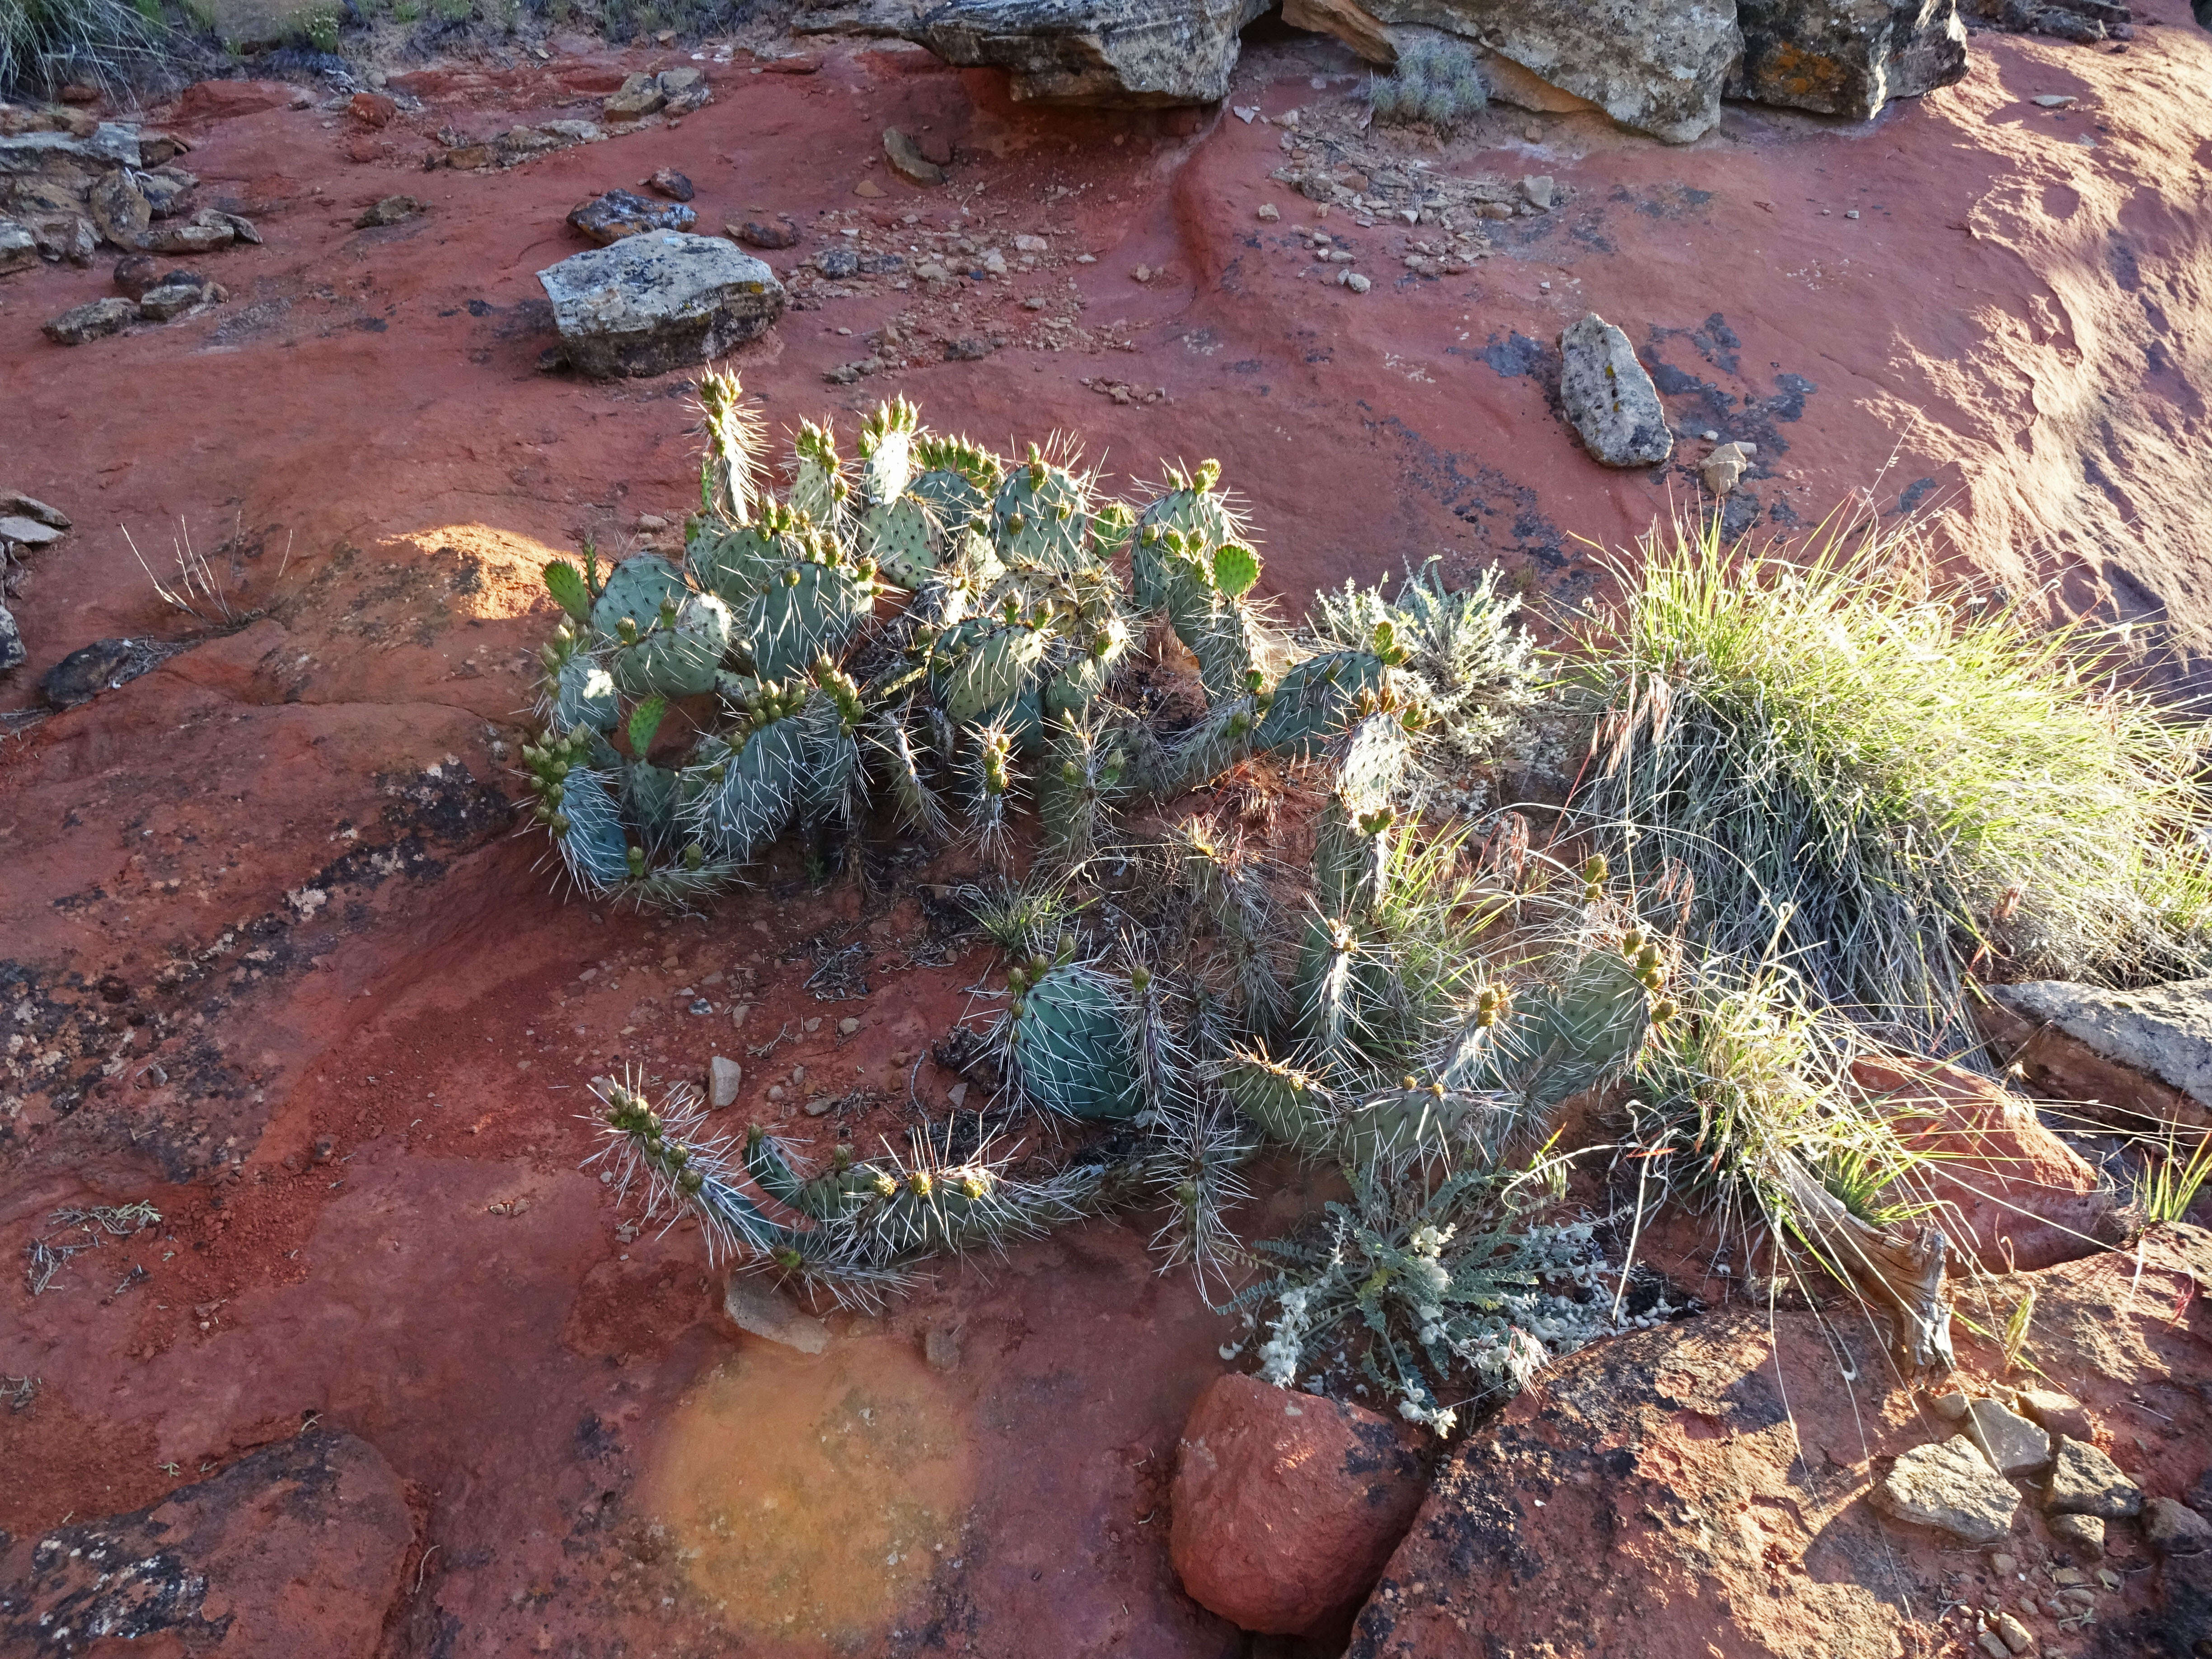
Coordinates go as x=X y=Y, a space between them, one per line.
x=299 y=1548
x=269 y=960
x=1702 y=1488
x=1286 y=1505
x=2013 y=1192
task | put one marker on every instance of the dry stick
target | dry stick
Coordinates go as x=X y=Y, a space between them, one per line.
x=1904 y=1275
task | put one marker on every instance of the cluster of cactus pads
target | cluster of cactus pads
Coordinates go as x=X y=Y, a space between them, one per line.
x=951 y=635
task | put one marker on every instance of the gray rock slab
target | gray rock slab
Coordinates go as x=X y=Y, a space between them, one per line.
x=2165 y=1031
x=1114 y=53
x=1656 y=66
x=91 y=321
x=1608 y=396
x=2174 y=1528
x=663 y=300
x=2013 y=1444
x=760 y=1310
x=17 y=505
x=1847 y=57
x=24 y=530
x=1950 y=1485
x=2084 y=1481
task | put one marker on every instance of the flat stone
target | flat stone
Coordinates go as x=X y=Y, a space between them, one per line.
x=1846 y=57
x=176 y=293
x=659 y=301
x=1127 y=54
x=754 y=1306
x=940 y=1347
x=723 y=1078
x=2061 y=1413
x=1608 y=396
x=1950 y=1485
x=2084 y=1481
x=2164 y=1031
x=20 y=506
x=1537 y=189
x=607 y=219
x=24 y=530
x=2013 y=1444
x=2174 y=1529
x=2085 y=1533
x=907 y=160
x=638 y=95
x=91 y=321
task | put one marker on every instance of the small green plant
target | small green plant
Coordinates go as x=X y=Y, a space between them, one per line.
x=2168 y=1183
x=1435 y=84
x=1882 y=786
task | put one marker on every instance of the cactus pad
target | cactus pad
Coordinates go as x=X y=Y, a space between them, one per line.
x=1070 y=1046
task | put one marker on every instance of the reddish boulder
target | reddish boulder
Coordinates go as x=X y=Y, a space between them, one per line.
x=296 y=1549
x=2014 y=1194
x=1286 y=1505
x=372 y=109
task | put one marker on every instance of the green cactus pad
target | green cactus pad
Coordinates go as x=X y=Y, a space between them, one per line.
x=899 y=537
x=817 y=484
x=584 y=694
x=679 y=661
x=738 y=563
x=1284 y=1103
x=1070 y=1046
x=649 y=801
x=989 y=671
x=1313 y=701
x=589 y=833
x=737 y=814
x=887 y=452
x=635 y=589
x=566 y=584
x=790 y=622
x=1041 y=515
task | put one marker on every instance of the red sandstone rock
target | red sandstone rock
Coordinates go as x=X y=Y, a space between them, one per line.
x=294 y=1550
x=1702 y=1488
x=2014 y=1194
x=219 y=100
x=372 y=109
x=1286 y=1505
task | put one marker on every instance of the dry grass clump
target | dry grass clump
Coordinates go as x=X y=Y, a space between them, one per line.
x=1881 y=785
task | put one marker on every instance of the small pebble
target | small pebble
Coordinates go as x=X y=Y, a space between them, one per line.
x=1269 y=212
x=848 y=1025
x=2003 y=1564
x=1851 y=213
x=1354 y=281
x=1710 y=436
x=813 y=1025
x=776 y=1092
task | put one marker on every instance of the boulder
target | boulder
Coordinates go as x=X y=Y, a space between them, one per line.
x=1656 y=66
x=372 y=109
x=764 y=233
x=1286 y=1505
x=295 y=1549
x=1129 y=54
x=1847 y=57
x=121 y=210
x=11 y=642
x=665 y=301
x=1608 y=396
x=2174 y=1529
x=2146 y=1052
x=638 y=97
x=607 y=219
x=19 y=247
x=16 y=505
x=91 y=321
x=2084 y=1533
x=675 y=186
x=2012 y=1192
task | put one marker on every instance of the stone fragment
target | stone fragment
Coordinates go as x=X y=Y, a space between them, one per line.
x=2084 y=1481
x=2013 y=1444
x=663 y=300
x=940 y=1347
x=68 y=236
x=685 y=89
x=837 y=262
x=2061 y=1413
x=89 y=670
x=2085 y=1533
x=1992 y=1644
x=135 y=273
x=1608 y=396
x=1129 y=54
x=1656 y=66
x=778 y=233
x=667 y=181
x=1536 y=189
x=2174 y=1528
x=300 y=1547
x=608 y=219
x=1724 y=468
x=11 y=642
x=119 y=209
x=15 y=505
x=176 y=293
x=91 y=321
x=848 y=1025
x=753 y=1306
x=1950 y=1485
x=1847 y=57
x=2014 y=1634
x=203 y=233
x=19 y=247
x=241 y=226
x=1268 y=213
x=392 y=210
x=24 y=530
x=166 y=190
x=1286 y=1505
x=907 y=160
x=723 y=1077
x=638 y=95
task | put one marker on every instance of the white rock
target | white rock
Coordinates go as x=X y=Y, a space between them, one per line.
x=723 y=1077
x=754 y=1308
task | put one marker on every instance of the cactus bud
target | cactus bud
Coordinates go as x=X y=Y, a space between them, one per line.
x=1594 y=868
x=842 y=1159
x=1140 y=979
x=1662 y=1011
x=1208 y=475
x=787 y=1259
x=694 y=856
x=1647 y=958
x=626 y=631
x=559 y=826
x=1632 y=941
x=636 y=857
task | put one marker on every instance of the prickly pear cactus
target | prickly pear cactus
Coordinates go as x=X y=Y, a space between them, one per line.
x=1041 y=515
x=1068 y=1040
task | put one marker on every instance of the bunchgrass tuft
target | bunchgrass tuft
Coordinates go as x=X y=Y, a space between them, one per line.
x=2169 y=1182
x=1883 y=786
x=46 y=45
